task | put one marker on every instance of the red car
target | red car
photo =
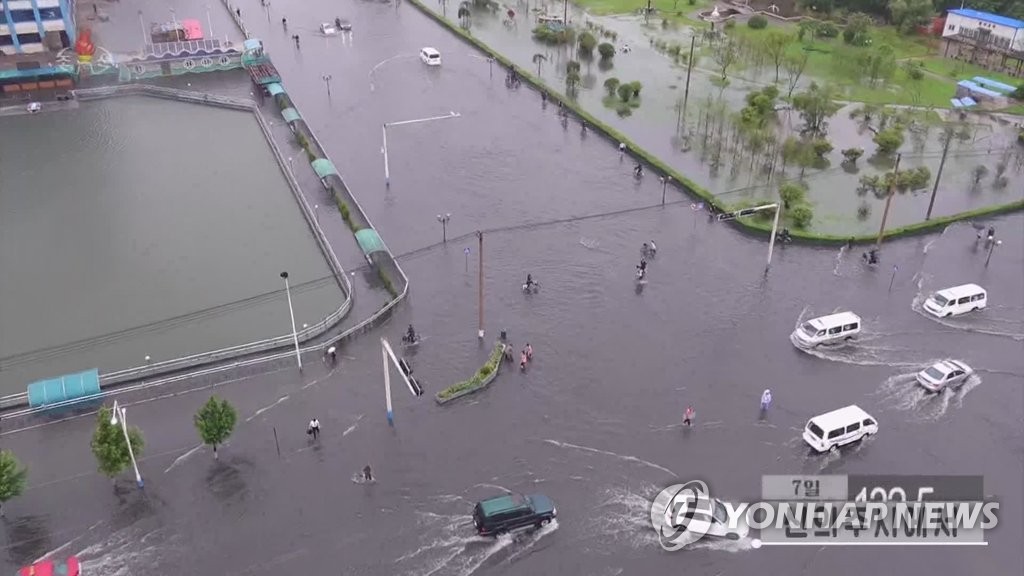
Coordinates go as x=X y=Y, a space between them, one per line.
x=69 y=567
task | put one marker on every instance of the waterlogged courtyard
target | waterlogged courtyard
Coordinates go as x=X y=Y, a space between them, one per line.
x=742 y=152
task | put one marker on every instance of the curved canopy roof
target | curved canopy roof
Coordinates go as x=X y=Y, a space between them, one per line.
x=275 y=89
x=290 y=115
x=370 y=241
x=324 y=168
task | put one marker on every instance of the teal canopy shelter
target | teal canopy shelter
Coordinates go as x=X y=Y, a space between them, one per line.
x=370 y=241
x=290 y=115
x=324 y=168
x=275 y=89
x=66 y=388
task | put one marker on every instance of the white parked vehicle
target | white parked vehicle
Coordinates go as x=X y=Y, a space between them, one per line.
x=828 y=329
x=709 y=518
x=328 y=29
x=838 y=428
x=430 y=56
x=956 y=300
x=944 y=374
x=34 y=107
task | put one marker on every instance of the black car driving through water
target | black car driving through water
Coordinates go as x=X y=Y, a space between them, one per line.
x=503 y=514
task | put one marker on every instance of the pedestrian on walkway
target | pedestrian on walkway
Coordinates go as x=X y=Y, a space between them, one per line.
x=314 y=429
x=766 y=399
x=284 y=23
x=332 y=353
x=238 y=11
x=688 y=416
x=367 y=473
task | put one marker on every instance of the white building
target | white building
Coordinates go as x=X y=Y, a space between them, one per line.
x=984 y=38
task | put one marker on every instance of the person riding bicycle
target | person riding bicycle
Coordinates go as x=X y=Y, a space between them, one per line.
x=529 y=281
x=410 y=334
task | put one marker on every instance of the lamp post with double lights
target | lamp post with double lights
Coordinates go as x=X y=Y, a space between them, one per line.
x=443 y=219
x=119 y=415
x=327 y=80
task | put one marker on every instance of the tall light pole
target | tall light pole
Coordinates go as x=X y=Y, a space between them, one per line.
x=291 y=311
x=480 y=253
x=443 y=219
x=888 y=201
x=316 y=213
x=327 y=80
x=664 y=186
x=118 y=411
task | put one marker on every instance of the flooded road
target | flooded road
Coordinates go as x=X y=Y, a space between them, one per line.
x=595 y=421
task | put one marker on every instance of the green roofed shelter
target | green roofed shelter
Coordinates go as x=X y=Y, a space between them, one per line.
x=370 y=241
x=290 y=115
x=324 y=168
x=64 y=389
x=275 y=89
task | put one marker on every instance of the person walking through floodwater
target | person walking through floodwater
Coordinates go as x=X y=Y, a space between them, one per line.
x=522 y=360
x=367 y=473
x=766 y=399
x=314 y=429
x=528 y=351
x=688 y=416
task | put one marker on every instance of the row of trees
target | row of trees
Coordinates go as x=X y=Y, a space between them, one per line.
x=215 y=421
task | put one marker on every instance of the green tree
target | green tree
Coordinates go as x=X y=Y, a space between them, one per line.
x=816 y=106
x=611 y=85
x=851 y=155
x=538 y=59
x=636 y=85
x=757 y=22
x=726 y=54
x=879 y=64
x=12 y=477
x=586 y=44
x=801 y=215
x=792 y=194
x=464 y=14
x=606 y=50
x=909 y=14
x=856 y=31
x=215 y=422
x=774 y=44
x=795 y=67
x=889 y=140
x=625 y=91
x=109 y=447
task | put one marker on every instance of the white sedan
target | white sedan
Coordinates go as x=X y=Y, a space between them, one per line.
x=943 y=374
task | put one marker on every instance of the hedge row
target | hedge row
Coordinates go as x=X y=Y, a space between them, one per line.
x=482 y=374
x=689 y=185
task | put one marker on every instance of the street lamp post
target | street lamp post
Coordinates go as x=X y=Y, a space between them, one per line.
x=664 y=185
x=316 y=213
x=327 y=80
x=118 y=411
x=443 y=219
x=291 y=311
x=992 y=246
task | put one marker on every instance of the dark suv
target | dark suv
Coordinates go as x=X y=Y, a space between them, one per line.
x=503 y=514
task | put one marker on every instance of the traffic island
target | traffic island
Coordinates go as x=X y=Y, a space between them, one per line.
x=482 y=379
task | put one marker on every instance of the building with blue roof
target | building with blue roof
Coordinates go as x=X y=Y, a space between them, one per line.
x=990 y=40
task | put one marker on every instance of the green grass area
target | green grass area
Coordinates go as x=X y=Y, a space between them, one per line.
x=605 y=7
x=821 y=66
x=1018 y=110
x=957 y=70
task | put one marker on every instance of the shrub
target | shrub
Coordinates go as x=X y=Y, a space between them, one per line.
x=889 y=140
x=478 y=377
x=801 y=215
x=730 y=24
x=851 y=155
x=1019 y=95
x=636 y=86
x=827 y=30
x=863 y=211
x=792 y=194
x=625 y=91
x=606 y=50
x=587 y=42
x=611 y=85
x=757 y=22
x=310 y=155
x=821 y=147
x=915 y=178
x=387 y=283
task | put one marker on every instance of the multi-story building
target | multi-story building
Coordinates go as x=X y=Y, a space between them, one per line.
x=991 y=40
x=31 y=26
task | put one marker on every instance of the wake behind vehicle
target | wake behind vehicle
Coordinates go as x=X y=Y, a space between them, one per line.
x=838 y=428
x=829 y=329
x=947 y=373
x=956 y=300
x=504 y=514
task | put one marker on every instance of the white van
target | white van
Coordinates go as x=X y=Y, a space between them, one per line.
x=828 y=329
x=956 y=300
x=838 y=428
x=430 y=57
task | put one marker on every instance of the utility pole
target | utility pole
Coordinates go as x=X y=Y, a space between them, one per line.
x=689 y=68
x=565 y=12
x=888 y=200
x=947 y=135
x=327 y=80
x=647 y=13
x=480 y=281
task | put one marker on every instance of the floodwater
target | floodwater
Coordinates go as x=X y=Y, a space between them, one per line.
x=832 y=184
x=137 y=226
x=595 y=421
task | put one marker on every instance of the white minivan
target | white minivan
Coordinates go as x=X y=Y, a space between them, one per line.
x=828 y=329
x=838 y=428
x=430 y=56
x=956 y=300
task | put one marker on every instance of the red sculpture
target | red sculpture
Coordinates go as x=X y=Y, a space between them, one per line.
x=84 y=46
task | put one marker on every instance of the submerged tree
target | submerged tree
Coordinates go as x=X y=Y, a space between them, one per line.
x=537 y=59
x=109 y=446
x=816 y=106
x=215 y=422
x=12 y=477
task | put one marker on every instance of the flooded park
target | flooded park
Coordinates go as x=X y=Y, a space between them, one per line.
x=595 y=421
x=154 y=229
x=695 y=125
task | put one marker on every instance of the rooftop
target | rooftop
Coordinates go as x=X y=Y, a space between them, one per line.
x=989 y=17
